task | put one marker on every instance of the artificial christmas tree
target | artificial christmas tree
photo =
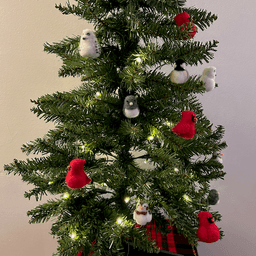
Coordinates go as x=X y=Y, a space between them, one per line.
x=131 y=41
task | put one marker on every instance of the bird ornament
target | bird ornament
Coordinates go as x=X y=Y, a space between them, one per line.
x=89 y=46
x=130 y=108
x=213 y=197
x=141 y=214
x=76 y=177
x=218 y=157
x=183 y=19
x=208 y=78
x=179 y=75
x=207 y=232
x=186 y=127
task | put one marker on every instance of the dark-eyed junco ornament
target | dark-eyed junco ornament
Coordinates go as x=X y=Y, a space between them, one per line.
x=186 y=127
x=76 y=177
x=207 y=232
x=141 y=214
x=184 y=18
x=213 y=197
x=130 y=108
x=208 y=78
x=89 y=46
x=179 y=75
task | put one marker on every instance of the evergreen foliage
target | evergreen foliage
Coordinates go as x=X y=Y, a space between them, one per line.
x=90 y=125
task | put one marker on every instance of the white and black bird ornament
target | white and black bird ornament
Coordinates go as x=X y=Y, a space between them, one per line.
x=141 y=214
x=179 y=75
x=130 y=108
x=89 y=46
x=208 y=78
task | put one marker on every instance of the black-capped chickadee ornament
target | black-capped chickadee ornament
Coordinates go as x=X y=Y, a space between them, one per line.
x=208 y=78
x=179 y=75
x=141 y=214
x=130 y=108
x=89 y=46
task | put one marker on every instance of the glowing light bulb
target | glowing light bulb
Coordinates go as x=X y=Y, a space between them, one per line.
x=50 y=182
x=176 y=169
x=187 y=198
x=138 y=60
x=73 y=235
x=66 y=195
x=98 y=94
x=150 y=137
x=127 y=199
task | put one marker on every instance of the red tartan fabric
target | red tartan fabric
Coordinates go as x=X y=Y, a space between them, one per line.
x=173 y=242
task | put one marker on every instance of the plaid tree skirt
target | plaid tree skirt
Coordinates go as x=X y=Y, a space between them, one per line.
x=172 y=243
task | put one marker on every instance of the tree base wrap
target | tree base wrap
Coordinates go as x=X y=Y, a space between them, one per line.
x=170 y=244
x=173 y=242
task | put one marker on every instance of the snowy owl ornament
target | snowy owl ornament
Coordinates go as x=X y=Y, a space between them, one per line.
x=179 y=75
x=89 y=46
x=208 y=78
x=141 y=214
x=130 y=108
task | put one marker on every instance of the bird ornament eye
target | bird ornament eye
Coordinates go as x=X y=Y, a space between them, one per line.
x=88 y=34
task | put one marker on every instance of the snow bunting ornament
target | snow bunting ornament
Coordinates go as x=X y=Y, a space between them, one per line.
x=130 y=108
x=179 y=75
x=218 y=157
x=89 y=46
x=208 y=78
x=141 y=214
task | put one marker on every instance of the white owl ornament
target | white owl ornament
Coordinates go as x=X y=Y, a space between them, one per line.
x=208 y=78
x=89 y=46
x=141 y=214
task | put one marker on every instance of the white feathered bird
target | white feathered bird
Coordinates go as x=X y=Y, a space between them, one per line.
x=208 y=78
x=89 y=46
x=141 y=214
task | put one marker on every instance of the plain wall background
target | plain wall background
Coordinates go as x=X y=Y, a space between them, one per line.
x=28 y=73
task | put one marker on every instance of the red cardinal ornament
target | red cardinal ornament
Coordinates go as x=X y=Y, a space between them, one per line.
x=186 y=127
x=76 y=177
x=184 y=18
x=207 y=232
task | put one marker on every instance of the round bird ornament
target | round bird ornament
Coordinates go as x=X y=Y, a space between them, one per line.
x=141 y=214
x=179 y=75
x=130 y=108
x=208 y=78
x=213 y=197
x=186 y=126
x=89 y=46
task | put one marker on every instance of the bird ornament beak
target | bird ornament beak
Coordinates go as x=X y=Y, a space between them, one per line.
x=211 y=220
x=69 y=167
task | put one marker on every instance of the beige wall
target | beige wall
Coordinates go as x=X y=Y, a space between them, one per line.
x=27 y=73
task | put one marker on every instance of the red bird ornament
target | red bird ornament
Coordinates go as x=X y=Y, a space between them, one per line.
x=76 y=177
x=186 y=127
x=184 y=18
x=207 y=232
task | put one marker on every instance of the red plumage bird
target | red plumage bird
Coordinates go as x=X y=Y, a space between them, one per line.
x=207 y=232
x=186 y=127
x=184 y=18
x=76 y=177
